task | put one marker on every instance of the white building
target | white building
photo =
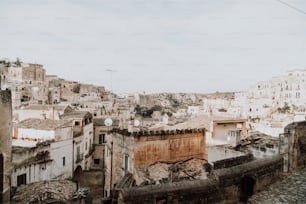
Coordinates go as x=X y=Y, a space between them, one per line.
x=40 y=130
x=47 y=149
x=289 y=88
x=83 y=136
x=46 y=161
x=193 y=110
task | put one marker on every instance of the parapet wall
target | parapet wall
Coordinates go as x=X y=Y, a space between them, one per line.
x=229 y=185
x=125 y=132
x=296 y=133
x=226 y=163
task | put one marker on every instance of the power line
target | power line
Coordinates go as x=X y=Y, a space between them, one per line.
x=292 y=7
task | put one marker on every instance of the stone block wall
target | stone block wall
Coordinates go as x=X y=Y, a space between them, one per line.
x=5 y=144
x=296 y=145
x=234 y=161
x=145 y=148
x=229 y=185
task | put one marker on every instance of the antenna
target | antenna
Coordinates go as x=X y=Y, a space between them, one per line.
x=111 y=77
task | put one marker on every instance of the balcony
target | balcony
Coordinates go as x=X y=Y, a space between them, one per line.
x=91 y=150
x=80 y=158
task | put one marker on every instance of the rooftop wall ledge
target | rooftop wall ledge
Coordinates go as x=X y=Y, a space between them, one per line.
x=157 y=132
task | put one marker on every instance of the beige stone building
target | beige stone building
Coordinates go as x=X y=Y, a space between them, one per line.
x=33 y=73
x=126 y=152
x=5 y=145
x=229 y=130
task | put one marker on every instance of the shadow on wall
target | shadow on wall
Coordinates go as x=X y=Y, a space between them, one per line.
x=247 y=187
x=1 y=178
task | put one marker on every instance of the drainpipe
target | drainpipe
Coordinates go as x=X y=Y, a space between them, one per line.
x=72 y=157
x=103 y=170
x=111 y=170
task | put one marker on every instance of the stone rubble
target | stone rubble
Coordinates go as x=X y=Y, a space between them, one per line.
x=291 y=189
x=40 y=192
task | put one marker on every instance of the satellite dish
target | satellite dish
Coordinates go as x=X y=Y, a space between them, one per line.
x=136 y=123
x=108 y=122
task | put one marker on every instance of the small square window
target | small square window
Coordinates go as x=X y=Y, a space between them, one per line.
x=97 y=161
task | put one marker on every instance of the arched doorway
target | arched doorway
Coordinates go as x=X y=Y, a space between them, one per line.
x=247 y=187
x=77 y=175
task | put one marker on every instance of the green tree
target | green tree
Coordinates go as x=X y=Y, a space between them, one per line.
x=18 y=62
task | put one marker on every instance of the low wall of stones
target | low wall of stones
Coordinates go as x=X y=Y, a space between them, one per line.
x=223 y=185
x=232 y=180
x=297 y=145
x=226 y=163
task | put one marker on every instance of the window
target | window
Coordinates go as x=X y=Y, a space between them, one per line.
x=97 y=161
x=78 y=153
x=22 y=179
x=76 y=123
x=86 y=145
x=101 y=138
x=64 y=161
x=126 y=163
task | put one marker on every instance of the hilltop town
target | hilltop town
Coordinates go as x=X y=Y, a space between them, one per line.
x=107 y=147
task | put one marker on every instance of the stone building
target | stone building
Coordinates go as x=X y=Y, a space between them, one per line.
x=295 y=134
x=290 y=88
x=46 y=161
x=229 y=130
x=31 y=131
x=126 y=152
x=47 y=149
x=100 y=132
x=32 y=73
x=82 y=123
x=5 y=145
x=52 y=112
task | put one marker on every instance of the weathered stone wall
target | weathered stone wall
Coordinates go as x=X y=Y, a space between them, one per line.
x=263 y=171
x=224 y=185
x=145 y=148
x=5 y=143
x=98 y=155
x=296 y=145
x=234 y=161
x=122 y=146
x=200 y=191
x=45 y=192
x=169 y=147
x=94 y=180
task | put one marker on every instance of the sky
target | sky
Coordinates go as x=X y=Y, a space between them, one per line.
x=198 y=46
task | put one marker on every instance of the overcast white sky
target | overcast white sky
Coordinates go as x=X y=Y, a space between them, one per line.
x=157 y=45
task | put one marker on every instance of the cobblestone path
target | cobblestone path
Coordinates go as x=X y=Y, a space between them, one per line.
x=291 y=189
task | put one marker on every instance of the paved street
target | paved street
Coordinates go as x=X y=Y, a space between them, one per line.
x=291 y=189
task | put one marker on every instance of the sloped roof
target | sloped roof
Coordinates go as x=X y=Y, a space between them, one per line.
x=43 y=124
x=76 y=115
